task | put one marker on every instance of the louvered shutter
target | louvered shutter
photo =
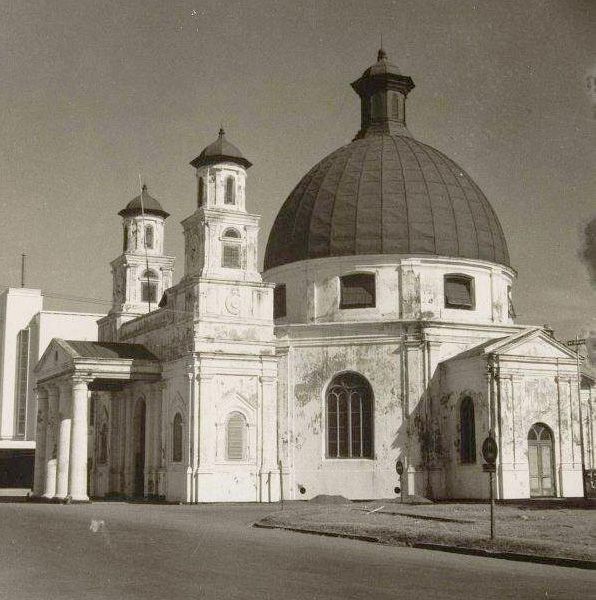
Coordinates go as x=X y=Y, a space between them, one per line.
x=235 y=435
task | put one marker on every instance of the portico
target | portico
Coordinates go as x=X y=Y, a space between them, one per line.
x=67 y=373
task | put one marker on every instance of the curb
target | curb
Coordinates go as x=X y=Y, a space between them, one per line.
x=558 y=561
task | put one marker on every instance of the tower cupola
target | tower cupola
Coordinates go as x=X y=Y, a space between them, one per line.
x=383 y=90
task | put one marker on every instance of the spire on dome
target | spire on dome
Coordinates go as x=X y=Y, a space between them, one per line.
x=381 y=55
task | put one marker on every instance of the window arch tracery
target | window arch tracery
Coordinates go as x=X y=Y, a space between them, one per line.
x=349 y=403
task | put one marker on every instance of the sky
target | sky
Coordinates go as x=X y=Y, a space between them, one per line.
x=95 y=93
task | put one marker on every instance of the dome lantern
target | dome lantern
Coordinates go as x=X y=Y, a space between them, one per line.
x=383 y=91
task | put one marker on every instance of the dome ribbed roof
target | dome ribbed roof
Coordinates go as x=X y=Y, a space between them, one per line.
x=386 y=194
x=150 y=206
x=220 y=150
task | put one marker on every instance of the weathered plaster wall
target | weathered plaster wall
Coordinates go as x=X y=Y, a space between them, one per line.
x=459 y=379
x=310 y=371
x=406 y=288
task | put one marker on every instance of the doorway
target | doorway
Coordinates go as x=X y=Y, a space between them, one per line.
x=139 y=450
x=540 y=458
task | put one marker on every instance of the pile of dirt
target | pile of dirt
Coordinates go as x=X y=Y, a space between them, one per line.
x=328 y=499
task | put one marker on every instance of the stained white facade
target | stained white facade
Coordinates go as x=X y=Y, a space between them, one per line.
x=318 y=375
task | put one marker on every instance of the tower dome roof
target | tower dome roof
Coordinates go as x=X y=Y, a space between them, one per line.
x=149 y=205
x=220 y=150
x=385 y=193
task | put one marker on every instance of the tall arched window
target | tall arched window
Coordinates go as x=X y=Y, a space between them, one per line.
x=541 y=460
x=201 y=192
x=125 y=241
x=230 y=196
x=149 y=236
x=467 y=424
x=177 y=438
x=149 y=282
x=236 y=437
x=349 y=402
x=231 y=250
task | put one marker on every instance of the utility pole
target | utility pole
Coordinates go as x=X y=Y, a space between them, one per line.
x=576 y=344
x=23 y=258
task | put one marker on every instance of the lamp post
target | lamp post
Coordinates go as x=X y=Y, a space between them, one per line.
x=576 y=344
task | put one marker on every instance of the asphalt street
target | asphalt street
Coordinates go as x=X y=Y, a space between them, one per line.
x=129 y=551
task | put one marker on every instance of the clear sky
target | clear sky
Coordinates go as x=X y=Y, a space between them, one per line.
x=93 y=93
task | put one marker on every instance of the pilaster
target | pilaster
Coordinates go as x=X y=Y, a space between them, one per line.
x=40 y=443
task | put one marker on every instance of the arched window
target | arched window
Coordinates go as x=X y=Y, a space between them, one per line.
x=349 y=402
x=230 y=196
x=149 y=236
x=125 y=241
x=459 y=292
x=357 y=291
x=231 y=233
x=149 y=282
x=177 y=438
x=467 y=425
x=236 y=437
x=201 y=192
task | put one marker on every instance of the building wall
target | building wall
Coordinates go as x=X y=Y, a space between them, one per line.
x=17 y=307
x=458 y=380
x=306 y=373
x=406 y=288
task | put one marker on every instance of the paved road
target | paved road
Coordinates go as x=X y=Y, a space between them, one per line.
x=210 y=551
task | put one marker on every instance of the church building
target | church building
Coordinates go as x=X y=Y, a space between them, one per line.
x=380 y=330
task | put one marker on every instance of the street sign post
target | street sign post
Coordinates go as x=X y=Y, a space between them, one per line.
x=399 y=468
x=490 y=451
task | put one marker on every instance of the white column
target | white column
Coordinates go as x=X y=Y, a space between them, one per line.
x=77 y=481
x=40 y=442
x=51 y=439
x=64 y=426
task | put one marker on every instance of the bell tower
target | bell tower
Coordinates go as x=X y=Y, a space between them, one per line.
x=221 y=237
x=142 y=273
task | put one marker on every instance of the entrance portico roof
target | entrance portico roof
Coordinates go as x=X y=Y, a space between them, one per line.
x=97 y=361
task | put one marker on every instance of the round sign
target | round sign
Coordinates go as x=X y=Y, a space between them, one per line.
x=490 y=450
x=399 y=467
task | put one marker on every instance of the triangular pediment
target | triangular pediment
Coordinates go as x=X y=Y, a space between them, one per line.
x=533 y=343
x=57 y=358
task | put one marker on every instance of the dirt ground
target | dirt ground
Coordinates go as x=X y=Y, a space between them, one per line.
x=555 y=530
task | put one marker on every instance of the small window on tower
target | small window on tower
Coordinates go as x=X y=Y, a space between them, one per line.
x=395 y=106
x=459 y=292
x=357 y=291
x=149 y=236
x=377 y=107
x=201 y=192
x=230 y=197
x=149 y=287
x=149 y=292
x=279 y=301
x=125 y=242
x=231 y=256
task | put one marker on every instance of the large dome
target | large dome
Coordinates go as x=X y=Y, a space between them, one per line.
x=385 y=193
